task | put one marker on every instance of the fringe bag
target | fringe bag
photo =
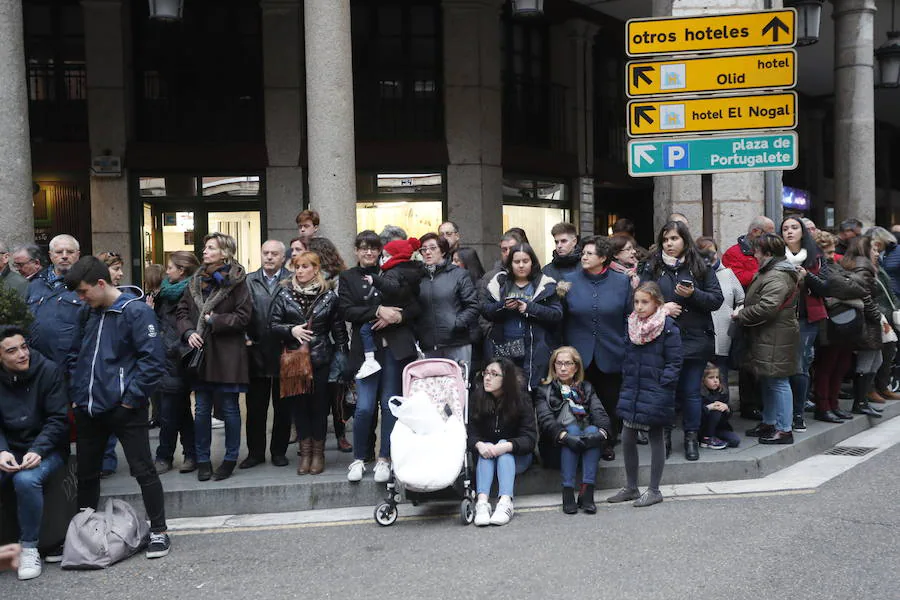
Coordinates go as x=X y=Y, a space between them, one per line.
x=296 y=372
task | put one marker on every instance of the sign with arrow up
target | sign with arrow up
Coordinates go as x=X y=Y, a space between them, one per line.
x=770 y=29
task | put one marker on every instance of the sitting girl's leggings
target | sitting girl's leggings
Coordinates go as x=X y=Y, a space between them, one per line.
x=505 y=466
x=657 y=456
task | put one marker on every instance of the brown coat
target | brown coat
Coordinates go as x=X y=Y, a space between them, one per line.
x=225 y=360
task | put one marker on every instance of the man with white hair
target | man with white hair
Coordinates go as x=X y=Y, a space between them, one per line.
x=739 y=258
x=57 y=311
x=264 y=352
x=9 y=277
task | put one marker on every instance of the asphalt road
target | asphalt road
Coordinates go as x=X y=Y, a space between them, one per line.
x=838 y=542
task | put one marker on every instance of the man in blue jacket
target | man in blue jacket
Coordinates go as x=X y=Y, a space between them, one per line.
x=116 y=364
x=34 y=435
x=57 y=311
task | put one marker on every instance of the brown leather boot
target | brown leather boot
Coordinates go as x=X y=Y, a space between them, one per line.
x=306 y=450
x=875 y=397
x=318 y=457
x=889 y=395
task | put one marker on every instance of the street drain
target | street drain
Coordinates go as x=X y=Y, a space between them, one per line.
x=850 y=450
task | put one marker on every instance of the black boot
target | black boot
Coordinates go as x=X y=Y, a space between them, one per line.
x=204 y=471
x=225 y=470
x=568 y=499
x=862 y=385
x=667 y=435
x=586 y=499
x=691 y=446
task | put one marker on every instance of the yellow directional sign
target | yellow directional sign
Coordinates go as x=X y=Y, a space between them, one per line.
x=699 y=115
x=736 y=31
x=713 y=74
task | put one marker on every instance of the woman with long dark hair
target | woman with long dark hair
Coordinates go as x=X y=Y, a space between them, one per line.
x=213 y=315
x=502 y=433
x=522 y=304
x=691 y=290
x=466 y=258
x=802 y=252
x=174 y=390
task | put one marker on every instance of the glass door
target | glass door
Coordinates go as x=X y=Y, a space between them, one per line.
x=244 y=227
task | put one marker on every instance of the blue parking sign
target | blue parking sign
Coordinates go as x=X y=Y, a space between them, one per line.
x=676 y=156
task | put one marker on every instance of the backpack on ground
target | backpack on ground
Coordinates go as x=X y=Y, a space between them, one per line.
x=98 y=539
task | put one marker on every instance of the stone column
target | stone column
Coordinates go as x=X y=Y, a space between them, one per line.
x=472 y=105
x=329 y=119
x=581 y=34
x=17 y=224
x=108 y=103
x=854 y=110
x=737 y=197
x=282 y=39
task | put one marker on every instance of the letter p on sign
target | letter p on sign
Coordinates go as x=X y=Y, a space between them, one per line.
x=675 y=156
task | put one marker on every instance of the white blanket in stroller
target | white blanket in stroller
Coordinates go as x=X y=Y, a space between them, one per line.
x=430 y=461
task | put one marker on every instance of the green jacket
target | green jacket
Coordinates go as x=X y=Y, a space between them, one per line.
x=770 y=321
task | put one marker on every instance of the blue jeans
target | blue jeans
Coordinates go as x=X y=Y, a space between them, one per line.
x=175 y=418
x=778 y=402
x=506 y=467
x=376 y=390
x=110 y=459
x=806 y=352
x=568 y=459
x=231 y=413
x=687 y=394
x=367 y=337
x=29 y=487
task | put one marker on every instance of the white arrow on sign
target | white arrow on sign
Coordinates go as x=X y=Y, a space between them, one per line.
x=641 y=152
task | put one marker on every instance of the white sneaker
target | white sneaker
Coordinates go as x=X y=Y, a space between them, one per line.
x=369 y=367
x=382 y=471
x=504 y=511
x=217 y=423
x=29 y=564
x=482 y=514
x=355 y=471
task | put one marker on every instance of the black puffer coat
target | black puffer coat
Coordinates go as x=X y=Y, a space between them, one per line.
x=329 y=330
x=449 y=308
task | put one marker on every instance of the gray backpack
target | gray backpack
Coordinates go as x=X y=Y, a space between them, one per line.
x=96 y=540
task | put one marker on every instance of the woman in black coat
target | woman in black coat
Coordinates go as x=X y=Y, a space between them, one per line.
x=692 y=293
x=305 y=311
x=503 y=434
x=570 y=413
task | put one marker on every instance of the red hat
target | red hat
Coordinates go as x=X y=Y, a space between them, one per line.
x=400 y=251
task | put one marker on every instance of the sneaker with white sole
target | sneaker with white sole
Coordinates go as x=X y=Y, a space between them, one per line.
x=29 y=564
x=217 y=423
x=159 y=545
x=355 y=471
x=55 y=555
x=382 y=471
x=369 y=367
x=482 y=514
x=503 y=512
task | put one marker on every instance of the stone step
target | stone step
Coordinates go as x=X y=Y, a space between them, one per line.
x=269 y=489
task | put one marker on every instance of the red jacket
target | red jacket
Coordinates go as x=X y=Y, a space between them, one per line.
x=739 y=258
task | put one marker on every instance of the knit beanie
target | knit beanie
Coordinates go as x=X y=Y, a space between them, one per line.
x=400 y=251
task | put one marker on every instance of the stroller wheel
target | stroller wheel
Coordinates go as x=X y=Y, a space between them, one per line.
x=386 y=514
x=466 y=512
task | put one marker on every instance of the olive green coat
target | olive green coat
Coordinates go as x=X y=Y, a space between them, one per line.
x=770 y=321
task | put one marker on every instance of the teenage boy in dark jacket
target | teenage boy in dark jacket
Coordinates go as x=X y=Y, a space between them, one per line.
x=116 y=366
x=34 y=434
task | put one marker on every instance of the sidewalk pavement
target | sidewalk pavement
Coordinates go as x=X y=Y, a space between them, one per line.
x=269 y=489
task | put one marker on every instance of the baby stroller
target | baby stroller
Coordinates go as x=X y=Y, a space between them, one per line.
x=429 y=460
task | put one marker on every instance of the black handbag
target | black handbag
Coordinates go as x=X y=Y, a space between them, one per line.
x=845 y=323
x=192 y=361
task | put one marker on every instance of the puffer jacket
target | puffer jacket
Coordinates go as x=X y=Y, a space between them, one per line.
x=119 y=357
x=33 y=410
x=449 y=307
x=58 y=316
x=225 y=336
x=770 y=321
x=553 y=414
x=886 y=299
x=698 y=338
x=544 y=312
x=329 y=330
x=864 y=271
x=649 y=378
x=265 y=349
x=491 y=427
x=739 y=258
x=891 y=263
